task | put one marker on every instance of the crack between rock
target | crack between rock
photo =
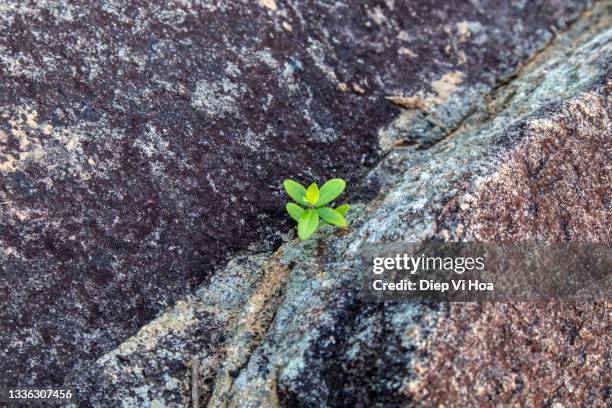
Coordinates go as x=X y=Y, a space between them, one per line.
x=523 y=69
x=259 y=313
x=221 y=398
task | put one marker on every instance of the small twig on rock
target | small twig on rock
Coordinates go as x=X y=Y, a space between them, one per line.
x=195 y=379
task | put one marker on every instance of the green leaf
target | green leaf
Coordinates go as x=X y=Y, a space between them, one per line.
x=342 y=209
x=332 y=216
x=294 y=210
x=330 y=190
x=295 y=190
x=308 y=223
x=312 y=194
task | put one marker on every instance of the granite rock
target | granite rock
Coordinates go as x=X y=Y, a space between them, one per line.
x=142 y=146
x=529 y=162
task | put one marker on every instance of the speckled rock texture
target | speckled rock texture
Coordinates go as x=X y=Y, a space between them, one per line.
x=143 y=145
x=533 y=164
x=286 y=328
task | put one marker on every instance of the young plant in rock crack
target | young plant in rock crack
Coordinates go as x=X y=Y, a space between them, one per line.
x=311 y=205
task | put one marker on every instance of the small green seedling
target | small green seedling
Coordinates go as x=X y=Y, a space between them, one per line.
x=312 y=203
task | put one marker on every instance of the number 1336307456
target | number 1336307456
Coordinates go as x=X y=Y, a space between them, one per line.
x=12 y=394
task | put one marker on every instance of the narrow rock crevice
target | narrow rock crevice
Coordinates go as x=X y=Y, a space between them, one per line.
x=433 y=186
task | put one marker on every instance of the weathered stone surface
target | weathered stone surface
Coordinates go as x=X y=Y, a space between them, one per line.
x=337 y=351
x=531 y=161
x=152 y=367
x=524 y=354
x=141 y=143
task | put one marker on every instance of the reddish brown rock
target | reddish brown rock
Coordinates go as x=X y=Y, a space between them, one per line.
x=556 y=184
x=523 y=354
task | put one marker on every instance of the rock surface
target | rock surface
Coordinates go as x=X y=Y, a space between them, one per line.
x=530 y=161
x=142 y=144
x=544 y=142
